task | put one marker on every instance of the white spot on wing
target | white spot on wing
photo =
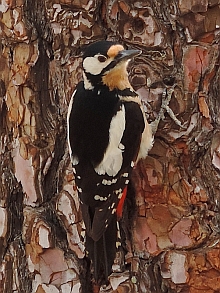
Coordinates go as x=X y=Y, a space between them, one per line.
x=104 y=182
x=98 y=197
x=120 y=196
x=118 y=191
x=113 y=204
x=74 y=160
x=109 y=182
x=118 y=244
x=79 y=189
x=112 y=161
x=125 y=174
x=113 y=211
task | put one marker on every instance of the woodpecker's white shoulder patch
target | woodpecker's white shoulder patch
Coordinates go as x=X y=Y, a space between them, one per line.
x=112 y=161
x=74 y=159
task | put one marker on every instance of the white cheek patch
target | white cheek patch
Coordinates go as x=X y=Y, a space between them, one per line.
x=93 y=66
x=113 y=159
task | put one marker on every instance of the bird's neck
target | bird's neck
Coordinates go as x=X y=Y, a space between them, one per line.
x=87 y=84
x=114 y=79
x=117 y=78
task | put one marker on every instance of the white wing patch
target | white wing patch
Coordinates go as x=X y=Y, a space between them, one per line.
x=112 y=161
x=74 y=160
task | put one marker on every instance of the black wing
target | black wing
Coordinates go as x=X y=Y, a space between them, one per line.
x=101 y=171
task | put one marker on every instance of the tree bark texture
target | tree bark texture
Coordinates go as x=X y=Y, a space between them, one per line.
x=174 y=245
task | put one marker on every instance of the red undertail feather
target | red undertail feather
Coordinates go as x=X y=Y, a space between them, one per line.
x=120 y=206
x=96 y=288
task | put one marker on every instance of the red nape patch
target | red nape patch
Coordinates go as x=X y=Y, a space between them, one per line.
x=120 y=206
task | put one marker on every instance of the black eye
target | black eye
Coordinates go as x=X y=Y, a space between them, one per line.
x=102 y=58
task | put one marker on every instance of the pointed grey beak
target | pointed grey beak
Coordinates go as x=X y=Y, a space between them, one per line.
x=127 y=54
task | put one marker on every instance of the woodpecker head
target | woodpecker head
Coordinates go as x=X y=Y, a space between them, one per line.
x=105 y=63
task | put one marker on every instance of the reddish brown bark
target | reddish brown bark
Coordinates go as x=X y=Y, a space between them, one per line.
x=175 y=230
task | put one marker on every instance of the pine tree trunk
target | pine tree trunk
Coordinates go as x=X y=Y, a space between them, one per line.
x=174 y=232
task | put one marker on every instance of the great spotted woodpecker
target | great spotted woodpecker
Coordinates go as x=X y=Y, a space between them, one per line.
x=107 y=134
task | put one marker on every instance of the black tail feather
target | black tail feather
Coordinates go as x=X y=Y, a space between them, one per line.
x=105 y=257
x=102 y=253
x=95 y=261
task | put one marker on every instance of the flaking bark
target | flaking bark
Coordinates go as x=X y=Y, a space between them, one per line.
x=172 y=237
